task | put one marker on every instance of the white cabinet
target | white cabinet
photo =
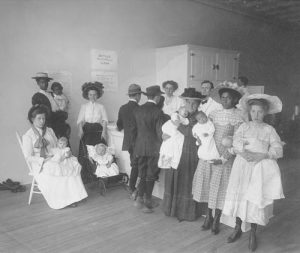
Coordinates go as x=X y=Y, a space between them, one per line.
x=189 y=65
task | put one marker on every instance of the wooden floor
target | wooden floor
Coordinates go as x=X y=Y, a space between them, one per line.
x=111 y=224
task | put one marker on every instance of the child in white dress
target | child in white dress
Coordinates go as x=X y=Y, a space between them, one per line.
x=59 y=97
x=255 y=179
x=61 y=162
x=171 y=149
x=104 y=160
x=204 y=131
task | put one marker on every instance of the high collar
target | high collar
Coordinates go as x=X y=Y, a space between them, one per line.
x=151 y=101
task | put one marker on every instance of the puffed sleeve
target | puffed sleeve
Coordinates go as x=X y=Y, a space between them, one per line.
x=238 y=142
x=104 y=114
x=35 y=162
x=275 y=149
x=81 y=115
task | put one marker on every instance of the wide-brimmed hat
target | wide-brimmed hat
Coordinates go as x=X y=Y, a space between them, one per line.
x=134 y=89
x=86 y=87
x=42 y=75
x=153 y=91
x=171 y=82
x=274 y=102
x=230 y=87
x=191 y=93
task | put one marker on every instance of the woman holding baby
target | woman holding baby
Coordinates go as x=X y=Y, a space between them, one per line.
x=211 y=176
x=60 y=186
x=177 y=199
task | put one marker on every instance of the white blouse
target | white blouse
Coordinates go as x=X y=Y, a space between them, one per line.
x=31 y=153
x=172 y=104
x=92 y=113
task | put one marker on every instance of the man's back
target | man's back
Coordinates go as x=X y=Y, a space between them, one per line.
x=149 y=120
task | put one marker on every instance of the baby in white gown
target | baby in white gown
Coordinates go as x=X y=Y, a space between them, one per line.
x=61 y=162
x=104 y=160
x=171 y=149
x=204 y=131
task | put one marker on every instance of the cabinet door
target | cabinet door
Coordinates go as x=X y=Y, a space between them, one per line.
x=227 y=66
x=201 y=67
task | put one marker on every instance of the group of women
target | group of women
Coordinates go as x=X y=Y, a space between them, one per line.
x=235 y=185
x=245 y=182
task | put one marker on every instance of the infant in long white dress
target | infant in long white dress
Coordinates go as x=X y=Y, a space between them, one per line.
x=61 y=162
x=171 y=149
x=204 y=131
x=104 y=160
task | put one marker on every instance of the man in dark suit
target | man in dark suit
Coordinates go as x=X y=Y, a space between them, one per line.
x=126 y=121
x=148 y=137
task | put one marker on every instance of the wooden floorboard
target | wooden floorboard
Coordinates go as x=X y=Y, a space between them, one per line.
x=112 y=224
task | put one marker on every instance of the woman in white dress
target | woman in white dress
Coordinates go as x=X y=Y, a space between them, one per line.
x=255 y=180
x=59 y=191
x=172 y=103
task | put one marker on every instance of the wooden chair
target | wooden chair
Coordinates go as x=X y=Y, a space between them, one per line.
x=34 y=185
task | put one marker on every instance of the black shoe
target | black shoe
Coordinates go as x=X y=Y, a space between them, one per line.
x=252 y=241
x=236 y=234
x=207 y=223
x=215 y=227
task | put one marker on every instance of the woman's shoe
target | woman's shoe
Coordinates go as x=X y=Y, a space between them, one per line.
x=252 y=241
x=215 y=227
x=236 y=234
x=207 y=223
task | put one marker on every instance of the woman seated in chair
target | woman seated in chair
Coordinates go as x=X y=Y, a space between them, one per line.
x=59 y=191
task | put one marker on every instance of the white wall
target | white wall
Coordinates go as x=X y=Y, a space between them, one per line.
x=39 y=35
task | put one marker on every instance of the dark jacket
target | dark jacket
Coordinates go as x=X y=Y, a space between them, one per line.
x=147 y=130
x=126 y=121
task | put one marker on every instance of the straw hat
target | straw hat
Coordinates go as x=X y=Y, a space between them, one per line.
x=275 y=104
x=42 y=75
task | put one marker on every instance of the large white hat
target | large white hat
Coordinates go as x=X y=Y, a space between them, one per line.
x=275 y=104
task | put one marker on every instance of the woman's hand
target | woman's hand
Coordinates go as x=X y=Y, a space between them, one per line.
x=165 y=137
x=80 y=132
x=176 y=122
x=108 y=165
x=104 y=135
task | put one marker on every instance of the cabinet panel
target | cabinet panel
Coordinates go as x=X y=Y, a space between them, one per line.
x=227 y=69
x=202 y=65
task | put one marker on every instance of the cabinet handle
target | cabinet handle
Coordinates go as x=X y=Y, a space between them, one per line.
x=192 y=76
x=216 y=66
x=192 y=54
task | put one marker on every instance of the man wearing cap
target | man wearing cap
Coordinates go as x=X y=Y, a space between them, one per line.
x=125 y=122
x=147 y=134
x=208 y=104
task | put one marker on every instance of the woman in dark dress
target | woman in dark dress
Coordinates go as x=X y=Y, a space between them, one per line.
x=178 y=200
x=92 y=124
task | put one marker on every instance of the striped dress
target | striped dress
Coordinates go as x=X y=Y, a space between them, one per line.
x=210 y=181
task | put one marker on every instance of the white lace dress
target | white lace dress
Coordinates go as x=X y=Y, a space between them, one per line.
x=59 y=191
x=253 y=187
x=62 y=165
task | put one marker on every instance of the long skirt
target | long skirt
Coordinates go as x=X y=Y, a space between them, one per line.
x=178 y=200
x=60 y=192
x=91 y=136
x=210 y=183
